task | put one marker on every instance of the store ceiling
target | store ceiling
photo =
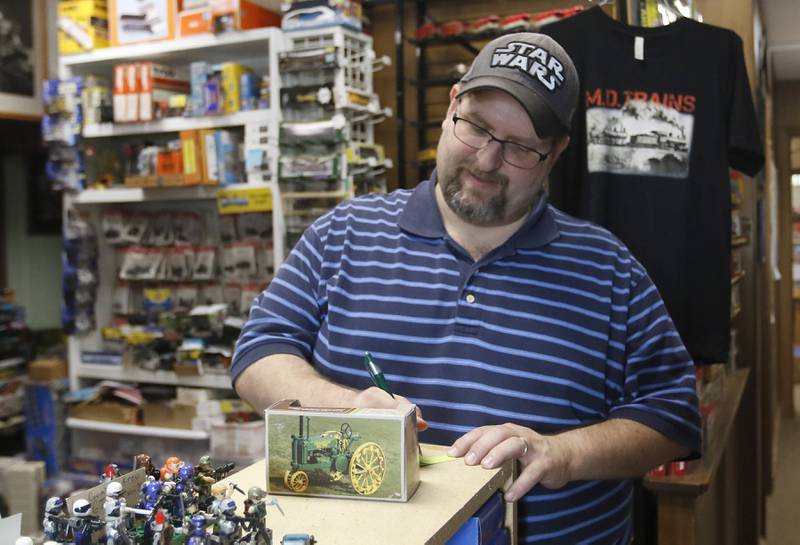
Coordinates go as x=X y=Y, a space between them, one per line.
x=782 y=19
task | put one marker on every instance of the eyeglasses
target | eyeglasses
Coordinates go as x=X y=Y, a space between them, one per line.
x=476 y=137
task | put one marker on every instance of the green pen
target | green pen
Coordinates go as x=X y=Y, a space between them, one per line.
x=376 y=374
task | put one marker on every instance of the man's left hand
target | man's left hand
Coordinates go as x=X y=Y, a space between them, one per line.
x=543 y=459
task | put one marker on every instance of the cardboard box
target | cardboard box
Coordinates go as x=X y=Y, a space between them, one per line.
x=47 y=369
x=134 y=21
x=242 y=15
x=105 y=411
x=157 y=83
x=231 y=85
x=82 y=26
x=25 y=479
x=353 y=453
x=120 y=99
x=169 y=414
x=192 y=160
x=196 y=21
x=242 y=443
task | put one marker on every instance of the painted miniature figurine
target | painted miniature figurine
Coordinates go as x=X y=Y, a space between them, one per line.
x=114 y=494
x=55 y=521
x=255 y=513
x=116 y=525
x=82 y=523
x=110 y=472
x=172 y=501
x=183 y=478
x=228 y=529
x=158 y=530
x=150 y=494
x=197 y=533
x=170 y=468
x=202 y=482
x=144 y=461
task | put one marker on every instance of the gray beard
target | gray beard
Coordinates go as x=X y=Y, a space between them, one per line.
x=487 y=213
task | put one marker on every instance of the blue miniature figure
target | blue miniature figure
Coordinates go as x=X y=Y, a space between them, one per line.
x=184 y=479
x=55 y=522
x=198 y=534
x=82 y=523
x=151 y=491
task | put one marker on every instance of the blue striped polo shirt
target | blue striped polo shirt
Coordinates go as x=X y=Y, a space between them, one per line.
x=560 y=327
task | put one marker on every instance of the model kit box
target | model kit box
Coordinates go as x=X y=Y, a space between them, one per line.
x=353 y=453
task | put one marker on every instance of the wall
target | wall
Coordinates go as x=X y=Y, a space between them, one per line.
x=33 y=263
x=787 y=124
x=440 y=60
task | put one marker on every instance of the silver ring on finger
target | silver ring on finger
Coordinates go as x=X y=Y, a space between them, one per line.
x=524 y=446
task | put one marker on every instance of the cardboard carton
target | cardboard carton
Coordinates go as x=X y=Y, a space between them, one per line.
x=105 y=411
x=169 y=415
x=354 y=453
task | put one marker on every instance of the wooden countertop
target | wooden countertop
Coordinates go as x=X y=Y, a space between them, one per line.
x=699 y=478
x=448 y=494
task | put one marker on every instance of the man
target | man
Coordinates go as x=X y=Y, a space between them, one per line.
x=519 y=331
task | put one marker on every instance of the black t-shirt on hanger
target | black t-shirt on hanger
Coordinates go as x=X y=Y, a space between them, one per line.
x=662 y=114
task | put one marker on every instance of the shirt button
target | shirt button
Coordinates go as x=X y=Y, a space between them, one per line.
x=470 y=298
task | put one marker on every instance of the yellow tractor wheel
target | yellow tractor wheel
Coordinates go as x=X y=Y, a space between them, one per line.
x=367 y=468
x=296 y=481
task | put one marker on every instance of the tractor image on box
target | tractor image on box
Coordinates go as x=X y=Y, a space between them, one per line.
x=337 y=453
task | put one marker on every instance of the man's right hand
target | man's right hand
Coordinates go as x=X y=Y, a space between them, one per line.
x=374 y=397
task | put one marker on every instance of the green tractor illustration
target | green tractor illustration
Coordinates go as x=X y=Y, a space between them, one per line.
x=332 y=452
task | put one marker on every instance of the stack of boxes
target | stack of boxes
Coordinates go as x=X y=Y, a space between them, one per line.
x=328 y=106
x=85 y=25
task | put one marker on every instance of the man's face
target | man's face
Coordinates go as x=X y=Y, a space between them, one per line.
x=478 y=185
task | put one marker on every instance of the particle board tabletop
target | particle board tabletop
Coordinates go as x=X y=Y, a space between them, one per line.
x=448 y=494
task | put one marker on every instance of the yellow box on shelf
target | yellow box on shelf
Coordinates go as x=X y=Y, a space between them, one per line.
x=82 y=26
x=244 y=199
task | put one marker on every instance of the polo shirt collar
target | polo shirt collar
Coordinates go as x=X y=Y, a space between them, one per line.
x=421 y=217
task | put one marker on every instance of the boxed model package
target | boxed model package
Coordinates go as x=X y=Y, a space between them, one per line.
x=354 y=453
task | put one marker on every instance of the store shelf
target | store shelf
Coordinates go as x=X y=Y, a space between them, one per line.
x=8 y=363
x=699 y=478
x=739 y=241
x=209 y=47
x=128 y=374
x=141 y=194
x=177 y=124
x=129 y=429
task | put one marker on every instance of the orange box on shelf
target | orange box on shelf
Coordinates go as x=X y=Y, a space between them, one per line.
x=243 y=14
x=134 y=21
x=196 y=21
x=169 y=163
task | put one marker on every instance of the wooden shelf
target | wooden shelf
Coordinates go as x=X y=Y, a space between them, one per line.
x=735 y=311
x=700 y=476
x=736 y=278
x=130 y=429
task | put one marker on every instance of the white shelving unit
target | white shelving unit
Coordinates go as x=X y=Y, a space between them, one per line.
x=176 y=124
x=258 y=48
x=112 y=372
x=129 y=429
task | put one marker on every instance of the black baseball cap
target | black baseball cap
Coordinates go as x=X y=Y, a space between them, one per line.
x=536 y=71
